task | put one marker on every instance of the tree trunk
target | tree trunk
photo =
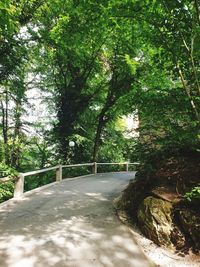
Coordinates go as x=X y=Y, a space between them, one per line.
x=197 y=10
x=4 y=131
x=102 y=120
x=100 y=126
x=187 y=90
x=15 y=155
x=4 y=109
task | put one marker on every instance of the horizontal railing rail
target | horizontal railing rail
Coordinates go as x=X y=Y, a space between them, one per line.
x=40 y=171
x=117 y=163
x=111 y=163
x=6 y=179
x=19 y=181
x=78 y=165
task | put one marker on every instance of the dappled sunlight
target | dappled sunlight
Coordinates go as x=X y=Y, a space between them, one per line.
x=64 y=226
x=97 y=196
x=69 y=240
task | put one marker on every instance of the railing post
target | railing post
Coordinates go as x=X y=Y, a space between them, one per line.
x=127 y=166
x=95 y=168
x=59 y=174
x=19 y=186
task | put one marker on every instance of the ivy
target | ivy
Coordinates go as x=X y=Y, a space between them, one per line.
x=194 y=194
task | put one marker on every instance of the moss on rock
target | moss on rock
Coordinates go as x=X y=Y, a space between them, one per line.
x=155 y=220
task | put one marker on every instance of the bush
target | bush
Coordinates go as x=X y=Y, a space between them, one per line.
x=6 y=189
x=193 y=195
x=7 y=171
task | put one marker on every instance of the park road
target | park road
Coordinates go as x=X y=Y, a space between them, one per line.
x=69 y=224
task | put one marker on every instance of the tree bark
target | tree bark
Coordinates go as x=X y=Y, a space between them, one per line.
x=102 y=120
x=4 y=132
x=4 y=109
x=100 y=126
x=15 y=156
x=196 y=4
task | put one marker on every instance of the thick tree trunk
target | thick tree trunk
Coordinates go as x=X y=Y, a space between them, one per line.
x=70 y=105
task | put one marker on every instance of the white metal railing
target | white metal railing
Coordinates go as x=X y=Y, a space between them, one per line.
x=19 y=181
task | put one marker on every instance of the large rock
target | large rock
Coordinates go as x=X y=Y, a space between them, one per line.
x=162 y=215
x=132 y=197
x=155 y=219
x=190 y=223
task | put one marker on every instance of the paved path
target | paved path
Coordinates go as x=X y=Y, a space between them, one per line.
x=69 y=224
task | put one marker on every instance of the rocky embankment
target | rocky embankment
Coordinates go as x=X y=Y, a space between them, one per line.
x=158 y=207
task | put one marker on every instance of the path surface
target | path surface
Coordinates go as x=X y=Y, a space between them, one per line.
x=69 y=224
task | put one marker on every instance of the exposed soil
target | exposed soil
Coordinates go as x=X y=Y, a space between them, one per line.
x=179 y=174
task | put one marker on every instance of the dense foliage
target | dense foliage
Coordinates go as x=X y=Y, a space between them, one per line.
x=194 y=194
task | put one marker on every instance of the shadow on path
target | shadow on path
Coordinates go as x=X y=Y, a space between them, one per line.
x=70 y=224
